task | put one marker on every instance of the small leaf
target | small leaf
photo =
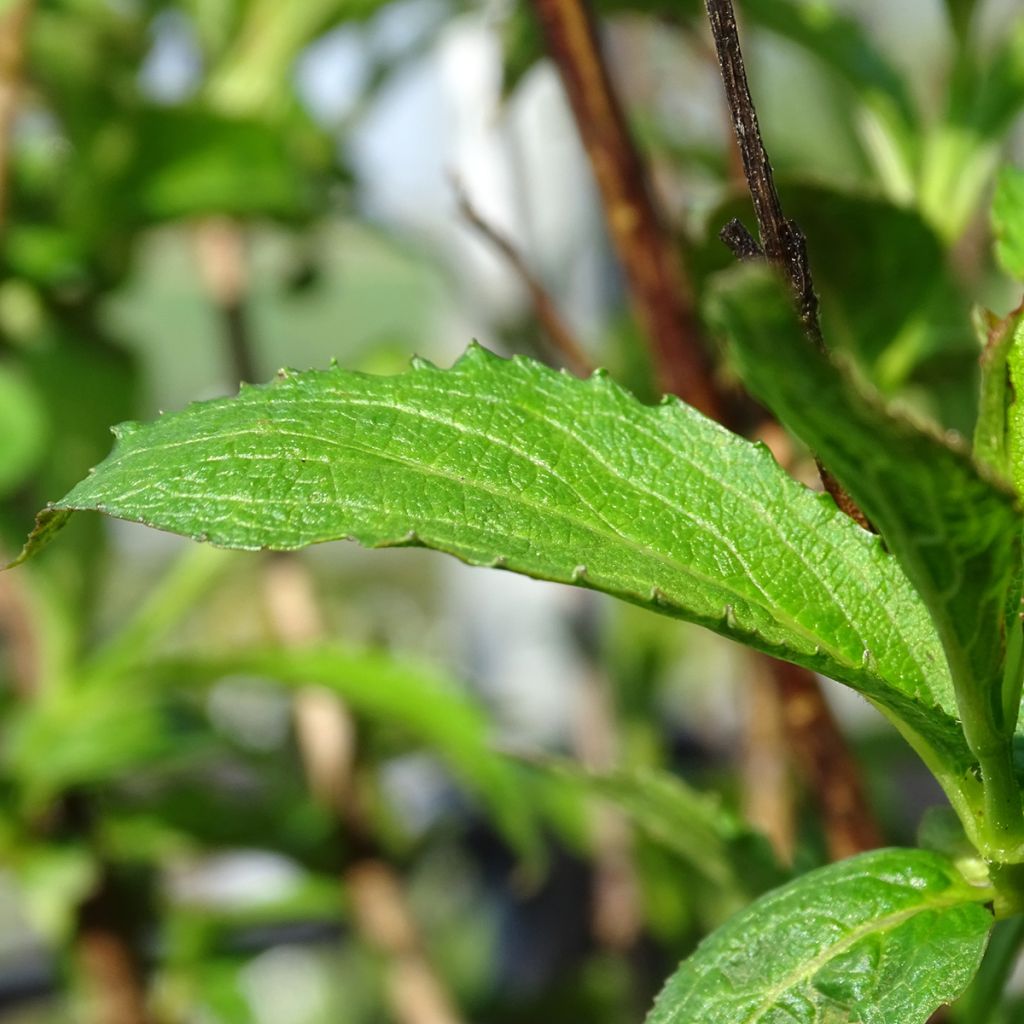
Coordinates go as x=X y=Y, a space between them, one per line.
x=883 y=938
x=511 y=465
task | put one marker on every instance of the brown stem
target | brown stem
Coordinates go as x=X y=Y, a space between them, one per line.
x=765 y=774
x=658 y=286
x=558 y=331
x=113 y=980
x=823 y=756
x=13 y=32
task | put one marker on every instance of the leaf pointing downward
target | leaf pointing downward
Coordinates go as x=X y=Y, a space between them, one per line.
x=509 y=464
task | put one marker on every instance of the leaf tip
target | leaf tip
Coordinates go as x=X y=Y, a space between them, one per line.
x=48 y=522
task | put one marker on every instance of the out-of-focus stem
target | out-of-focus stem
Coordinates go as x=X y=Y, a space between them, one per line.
x=837 y=788
x=658 y=286
x=220 y=243
x=327 y=739
x=558 y=331
x=765 y=763
x=113 y=984
x=617 y=919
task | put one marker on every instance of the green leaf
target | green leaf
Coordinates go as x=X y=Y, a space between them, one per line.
x=883 y=938
x=509 y=464
x=402 y=695
x=955 y=529
x=1008 y=221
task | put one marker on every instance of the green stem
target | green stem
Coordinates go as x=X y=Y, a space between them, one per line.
x=1008 y=882
x=1004 y=820
x=982 y=1000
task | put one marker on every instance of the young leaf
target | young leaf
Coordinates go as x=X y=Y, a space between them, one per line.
x=883 y=938
x=506 y=463
x=955 y=530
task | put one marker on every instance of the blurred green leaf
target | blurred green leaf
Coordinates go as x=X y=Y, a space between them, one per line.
x=890 y=128
x=23 y=429
x=402 y=694
x=694 y=826
x=986 y=95
x=82 y=736
x=53 y=879
x=885 y=937
x=1008 y=221
x=191 y=162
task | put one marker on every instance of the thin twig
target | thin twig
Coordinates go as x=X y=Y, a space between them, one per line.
x=782 y=240
x=558 y=331
x=616 y=915
x=782 y=243
x=651 y=261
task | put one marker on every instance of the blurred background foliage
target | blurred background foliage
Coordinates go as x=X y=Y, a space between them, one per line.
x=361 y=787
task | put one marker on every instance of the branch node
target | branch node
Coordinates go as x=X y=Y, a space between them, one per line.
x=740 y=241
